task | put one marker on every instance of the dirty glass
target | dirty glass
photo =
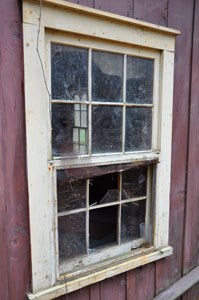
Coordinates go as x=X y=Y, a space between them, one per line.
x=103 y=227
x=134 y=183
x=69 y=72
x=104 y=189
x=132 y=215
x=138 y=129
x=69 y=130
x=70 y=195
x=139 y=82
x=107 y=76
x=106 y=129
x=72 y=235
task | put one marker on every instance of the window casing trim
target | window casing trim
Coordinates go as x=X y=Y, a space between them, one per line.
x=40 y=168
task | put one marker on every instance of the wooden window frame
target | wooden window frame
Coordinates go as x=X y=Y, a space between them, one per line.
x=56 y=20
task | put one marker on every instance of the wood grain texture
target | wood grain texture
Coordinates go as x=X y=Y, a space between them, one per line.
x=151 y=11
x=114 y=288
x=140 y=283
x=82 y=2
x=82 y=294
x=14 y=248
x=191 y=240
x=180 y=16
x=124 y=7
x=192 y=294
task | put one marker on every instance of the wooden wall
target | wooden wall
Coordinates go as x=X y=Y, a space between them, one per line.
x=143 y=283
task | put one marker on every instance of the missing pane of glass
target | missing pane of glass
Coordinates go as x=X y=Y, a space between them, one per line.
x=70 y=195
x=106 y=129
x=68 y=139
x=139 y=84
x=138 y=129
x=107 y=76
x=72 y=235
x=134 y=183
x=103 y=227
x=69 y=69
x=104 y=189
x=132 y=215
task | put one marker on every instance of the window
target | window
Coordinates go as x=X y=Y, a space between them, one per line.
x=98 y=111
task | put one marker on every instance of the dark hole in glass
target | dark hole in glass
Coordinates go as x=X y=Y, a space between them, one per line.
x=104 y=189
x=69 y=72
x=103 y=227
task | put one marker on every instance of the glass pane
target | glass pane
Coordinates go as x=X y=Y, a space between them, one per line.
x=134 y=183
x=132 y=215
x=107 y=76
x=104 y=189
x=72 y=235
x=106 y=129
x=69 y=67
x=70 y=195
x=138 y=129
x=139 y=85
x=67 y=137
x=103 y=227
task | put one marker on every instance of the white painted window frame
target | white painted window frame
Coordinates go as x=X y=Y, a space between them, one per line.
x=41 y=18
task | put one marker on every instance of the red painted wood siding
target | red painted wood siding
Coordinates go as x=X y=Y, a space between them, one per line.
x=142 y=283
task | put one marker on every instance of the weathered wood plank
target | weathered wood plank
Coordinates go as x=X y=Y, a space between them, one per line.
x=82 y=2
x=140 y=283
x=180 y=17
x=14 y=250
x=151 y=11
x=181 y=286
x=114 y=288
x=191 y=241
x=124 y=7
x=95 y=291
x=82 y=294
x=192 y=294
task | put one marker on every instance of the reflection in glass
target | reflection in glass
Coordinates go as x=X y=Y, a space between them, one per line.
x=70 y=195
x=69 y=130
x=139 y=85
x=106 y=129
x=107 y=76
x=103 y=226
x=138 y=129
x=134 y=183
x=69 y=69
x=72 y=235
x=132 y=215
x=104 y=189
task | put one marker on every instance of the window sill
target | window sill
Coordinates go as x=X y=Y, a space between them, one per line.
x=125 y=264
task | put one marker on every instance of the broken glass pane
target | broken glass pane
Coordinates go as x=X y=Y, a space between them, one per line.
x=134 y=183
x=138 y=129
x=70 y=195
x=104 y=189
x=68 y=137
x=103 y=227
x=139 y=84
x=72 y=235
x=132 y=215
x=106 y=129
x=69 y=72
x=107 y=76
